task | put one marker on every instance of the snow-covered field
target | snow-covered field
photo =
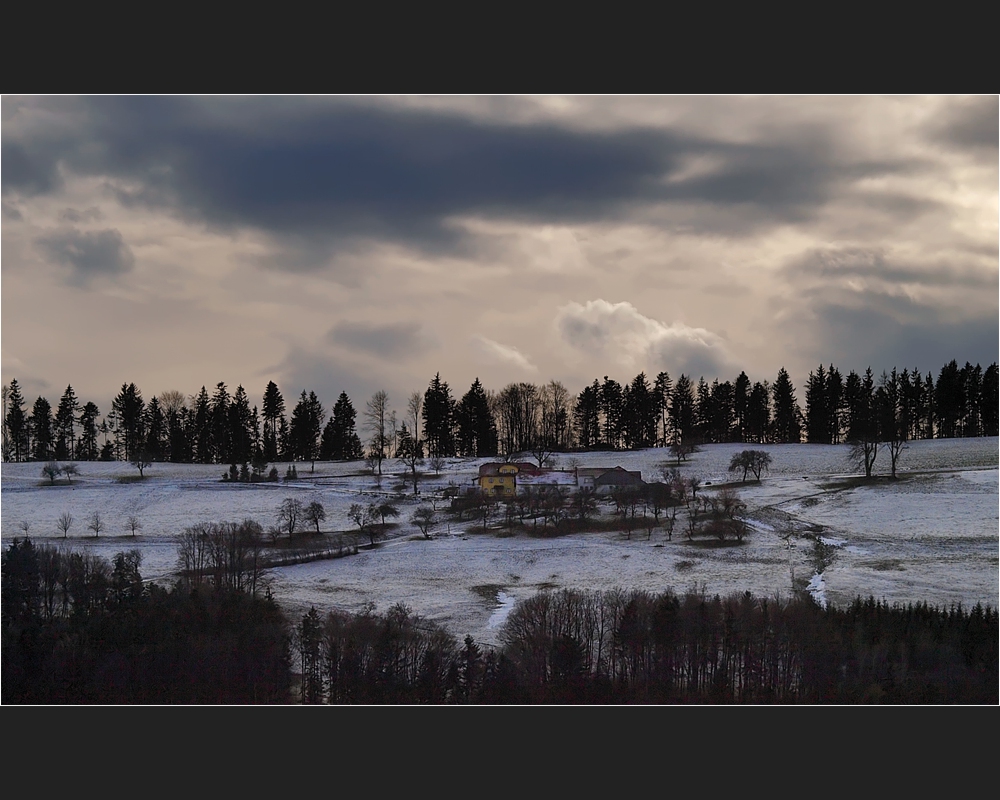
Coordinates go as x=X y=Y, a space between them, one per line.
x=931 y=536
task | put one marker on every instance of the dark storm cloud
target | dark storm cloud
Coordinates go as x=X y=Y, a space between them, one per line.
x=835 y=265
x=30 y=169
x=385 y=341
x=972 y=125
x=888 y=332
x=88 y=253
x=336 y=171
x=76 y=215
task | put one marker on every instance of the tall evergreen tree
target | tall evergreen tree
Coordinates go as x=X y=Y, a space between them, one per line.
x=640 y=414
x=834 y=402
x=612 y=407
x=663 y=388
x=759 y=413
x=703 y=410
x=587 y=416
x=682 y=411
x=341 y=436
x=41 y=430
x=818 y=417
x=948 y=403
x=129 y=408
x=477 y=431
x=972 y=383
x=87 y=446
x=283 y=442
x=272 y=410
x=241 y=435
x=988 y=401
x=221 y=440
x=201 y=432
x=306 y=427
x=741 y=403
x=156 y=430
x=786 y=409
x=16 y=421
x=724 y=428
x=65 y=428
x=929 y=406
x=439 y=418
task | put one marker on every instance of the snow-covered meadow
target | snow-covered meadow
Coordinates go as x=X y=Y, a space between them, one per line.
x=931 y=536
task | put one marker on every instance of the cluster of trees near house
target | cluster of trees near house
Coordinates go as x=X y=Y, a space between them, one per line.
x=225 y=428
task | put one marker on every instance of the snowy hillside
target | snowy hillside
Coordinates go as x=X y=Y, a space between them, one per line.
x=931 y=536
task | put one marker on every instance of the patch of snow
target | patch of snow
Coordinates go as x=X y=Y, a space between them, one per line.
x=931 y=536
x=817 y=588
x=499 y=616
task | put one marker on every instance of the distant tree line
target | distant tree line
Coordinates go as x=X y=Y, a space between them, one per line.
x=520 y=418
x=638 y=647
x=80 y=629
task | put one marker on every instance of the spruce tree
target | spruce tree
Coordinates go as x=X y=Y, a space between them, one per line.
x=817 y=408
x=17 y=424
x=41 y=430
x=439 y=418
x=273 y=409
x=682 y=411
x=662 y=389
x=201 y=437
x=587 y=416
x=129 y=408
x=786 y=409
x=477 y=431
x=87 y=446
x=69 y=407
x=344 y=443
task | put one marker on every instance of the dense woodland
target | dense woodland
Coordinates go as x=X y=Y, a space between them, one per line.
x=79 y=629
x=221 y=427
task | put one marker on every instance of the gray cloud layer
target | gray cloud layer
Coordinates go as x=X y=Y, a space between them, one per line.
x=534 y=238
x=339 y=171
x=89 y=254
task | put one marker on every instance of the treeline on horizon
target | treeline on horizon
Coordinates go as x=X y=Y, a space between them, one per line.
x=80 y=629
x=226 y=428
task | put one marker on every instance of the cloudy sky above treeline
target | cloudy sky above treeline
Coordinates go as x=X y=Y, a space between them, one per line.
x=361 y=243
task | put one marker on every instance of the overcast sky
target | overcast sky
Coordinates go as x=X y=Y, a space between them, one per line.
x=362 y=243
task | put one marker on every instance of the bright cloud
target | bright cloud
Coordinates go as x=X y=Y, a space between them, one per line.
x=502 y=353
x=620 y=333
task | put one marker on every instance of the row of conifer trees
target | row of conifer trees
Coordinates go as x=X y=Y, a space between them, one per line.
x=226 y=428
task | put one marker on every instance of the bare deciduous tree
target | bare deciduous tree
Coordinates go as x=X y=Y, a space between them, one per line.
x=96 y=524
x=289 y=513
x=133 y=524
x=755 y=461
x=65 y=522
x=425 y=519
x=140 y=460
x=315 y=514
x=365 y=517
x=376 y=423
x=51 y=471
x=412 y=455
